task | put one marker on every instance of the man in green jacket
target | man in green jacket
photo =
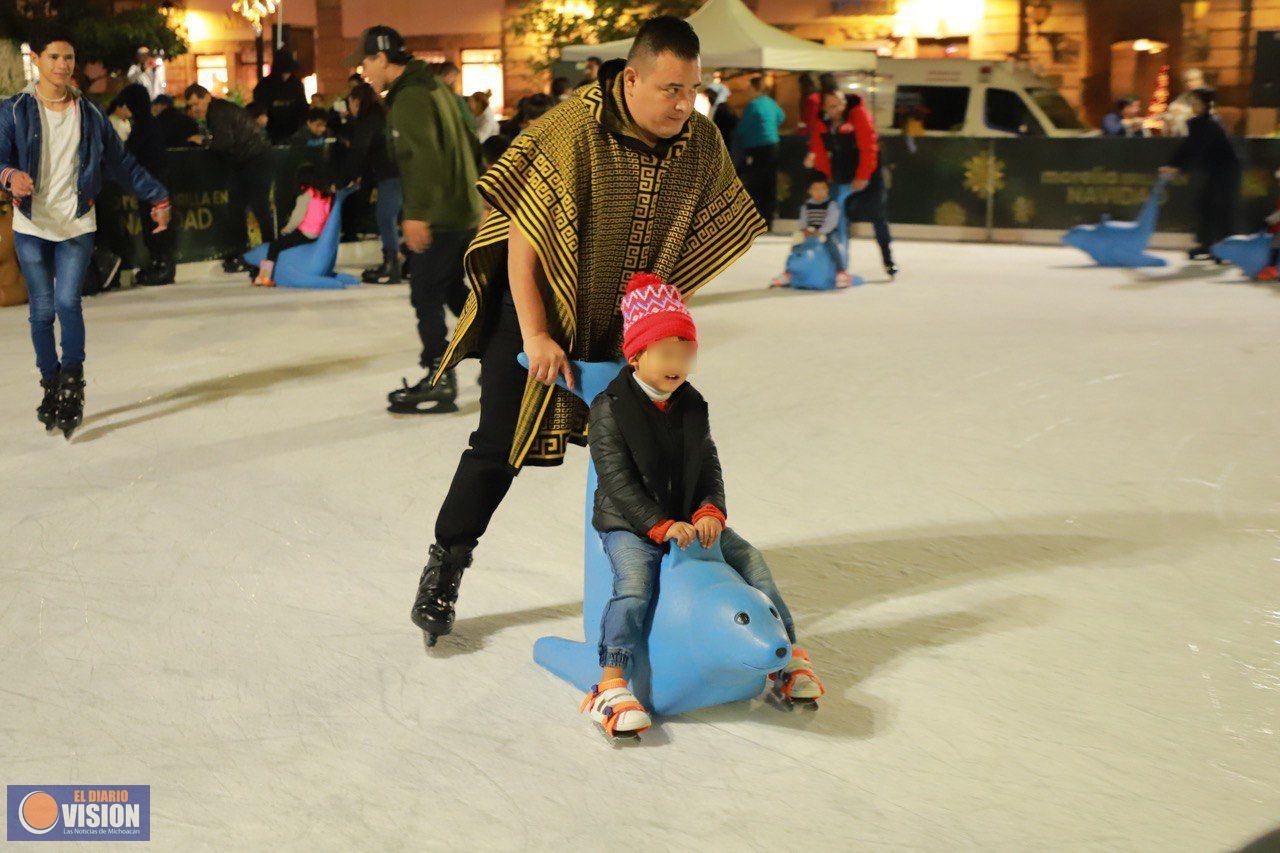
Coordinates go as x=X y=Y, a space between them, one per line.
x=438 y=158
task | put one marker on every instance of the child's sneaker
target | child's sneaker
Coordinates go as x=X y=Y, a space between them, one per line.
x=263 y=281
x=615 y=709
x=783 y=280
x=1267 y=274
x=797 y=681
x=843 y=280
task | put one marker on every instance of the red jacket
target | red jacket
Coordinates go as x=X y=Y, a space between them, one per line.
x=858 y=123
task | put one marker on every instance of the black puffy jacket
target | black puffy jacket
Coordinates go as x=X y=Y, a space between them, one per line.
x=651 y=465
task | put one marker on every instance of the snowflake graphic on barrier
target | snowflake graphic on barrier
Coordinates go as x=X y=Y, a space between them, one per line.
x=949 y=213
x=1024 y=210
x=982 y=171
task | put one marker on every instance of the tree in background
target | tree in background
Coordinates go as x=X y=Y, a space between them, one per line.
x=11 y=78
x=102 y=34
x=548 y=25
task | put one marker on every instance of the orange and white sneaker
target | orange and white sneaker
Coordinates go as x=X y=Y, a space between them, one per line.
x=1267 y=274
x=615 y=709
x=263 y=281
x=797 y=682
x=843 y=280
x=782 y=280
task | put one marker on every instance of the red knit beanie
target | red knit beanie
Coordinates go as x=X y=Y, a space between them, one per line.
x=652 y=310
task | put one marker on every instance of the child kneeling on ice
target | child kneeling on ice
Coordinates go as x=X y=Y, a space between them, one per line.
x=310 y=213
x=641 y=429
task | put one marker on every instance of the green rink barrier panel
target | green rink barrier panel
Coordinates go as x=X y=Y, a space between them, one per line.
x=989 y=184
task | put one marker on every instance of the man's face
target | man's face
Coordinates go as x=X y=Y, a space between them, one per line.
x=374 y=70
x=156 y=109
x=449 y=77
x=198 y=106
x=833 y=107
x=660 y=92
x=1130 y=110
x=317 y=127
x=57 y=62
x=593 y=69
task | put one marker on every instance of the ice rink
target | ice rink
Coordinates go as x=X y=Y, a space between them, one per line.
x=1026 y=513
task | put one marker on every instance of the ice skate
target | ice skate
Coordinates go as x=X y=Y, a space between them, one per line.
x=70 y=402
x=797 y=683
x=616 y=711
x=433 y=609
x=1267 y=274
x=422 y=399
x=843 y=280
x=781 y=280
x=47 y=411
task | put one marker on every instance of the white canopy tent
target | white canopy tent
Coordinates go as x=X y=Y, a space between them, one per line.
x=733 y=37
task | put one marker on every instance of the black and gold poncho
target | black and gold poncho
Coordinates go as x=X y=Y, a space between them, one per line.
x=598 y=204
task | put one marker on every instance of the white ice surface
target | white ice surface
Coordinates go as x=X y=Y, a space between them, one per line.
x=1025 y=512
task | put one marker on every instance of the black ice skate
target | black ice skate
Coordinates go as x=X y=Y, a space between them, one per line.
x=422 y=399
x=70 y=401
x=388 y=272
x=438 y=590
x=47 y=411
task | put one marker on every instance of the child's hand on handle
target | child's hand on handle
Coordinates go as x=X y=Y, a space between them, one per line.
x=683 y=532
x=547 y=360
x=708 y=529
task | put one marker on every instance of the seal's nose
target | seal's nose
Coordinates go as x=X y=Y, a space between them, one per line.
x=782 y=652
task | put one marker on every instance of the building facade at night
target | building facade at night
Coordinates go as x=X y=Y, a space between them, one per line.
x=1093 y=50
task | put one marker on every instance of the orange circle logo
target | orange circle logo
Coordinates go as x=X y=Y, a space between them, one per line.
x=38 y=812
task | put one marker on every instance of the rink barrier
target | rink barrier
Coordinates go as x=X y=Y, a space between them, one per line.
x=983 y=189
x=991 y=188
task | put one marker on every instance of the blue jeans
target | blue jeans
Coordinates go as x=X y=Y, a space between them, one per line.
x=833 y=251
x=390 y=200
x=54 y=272
x=635 y=560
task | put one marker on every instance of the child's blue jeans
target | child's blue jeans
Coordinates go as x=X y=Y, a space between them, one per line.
x=635 y=560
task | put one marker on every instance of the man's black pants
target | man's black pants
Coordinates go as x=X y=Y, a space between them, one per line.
x=249 y=190
x=761 y=179
x=436 y=280
x=483 y=476
x=1216 y=204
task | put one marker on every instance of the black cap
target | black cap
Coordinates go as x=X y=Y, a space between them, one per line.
x=380 y=39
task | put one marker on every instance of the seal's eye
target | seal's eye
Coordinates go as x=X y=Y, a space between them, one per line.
x=742 y=619
x=775 y=613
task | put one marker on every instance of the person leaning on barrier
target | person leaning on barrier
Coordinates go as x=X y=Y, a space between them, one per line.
x=235 y=136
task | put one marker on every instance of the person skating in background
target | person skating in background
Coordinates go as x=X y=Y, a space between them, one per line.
x=235 y=136
x=659 y=480
x=1208 y=150
x=310 y=213
x=852 y=148
x=820 y=217
x=438 y=156
x=756 y=136
x=147 y=145
x=282 y=93
x=56 y=147
x=367 y=159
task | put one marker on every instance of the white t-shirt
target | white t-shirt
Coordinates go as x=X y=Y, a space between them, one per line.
x=53 y=209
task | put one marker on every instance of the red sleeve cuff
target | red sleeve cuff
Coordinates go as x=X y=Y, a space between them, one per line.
x=709 y=510
x=658 y=533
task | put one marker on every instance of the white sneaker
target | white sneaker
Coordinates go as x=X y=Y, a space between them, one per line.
x=615 y=709
x=783 y=280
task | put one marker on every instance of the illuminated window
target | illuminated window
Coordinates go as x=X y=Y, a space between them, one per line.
x=211 y=72
x=431 y=57
x=482 y=72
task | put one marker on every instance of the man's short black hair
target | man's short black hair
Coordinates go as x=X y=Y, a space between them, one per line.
x=195 y=90
x=318 y=114
x=817 y=177
x=1206 y=96
x=448 y=67
x=757 y=83
x=665 y=34
x=594 y=59
x=47 y=35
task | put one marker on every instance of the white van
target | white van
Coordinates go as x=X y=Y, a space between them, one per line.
x=964 y=97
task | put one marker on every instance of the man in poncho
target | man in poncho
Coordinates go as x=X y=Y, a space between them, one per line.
x=623 y=177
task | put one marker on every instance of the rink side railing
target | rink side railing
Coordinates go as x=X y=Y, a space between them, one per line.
x=992 y=189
